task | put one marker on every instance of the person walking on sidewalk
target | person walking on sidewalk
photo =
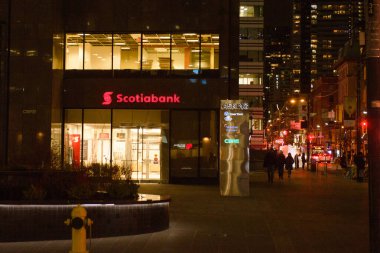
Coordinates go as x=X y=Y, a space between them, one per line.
x=303 y=159
x=270 y=163
x=280 y=161
x=360 y=164
x=289 y=164
x=297 y=161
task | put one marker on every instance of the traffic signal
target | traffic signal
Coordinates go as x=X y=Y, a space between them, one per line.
x=304 y=124
x=364 y=125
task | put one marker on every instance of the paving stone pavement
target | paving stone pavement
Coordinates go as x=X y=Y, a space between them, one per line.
x=307 y=213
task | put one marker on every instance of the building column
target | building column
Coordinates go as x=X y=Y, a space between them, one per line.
x=373 y=104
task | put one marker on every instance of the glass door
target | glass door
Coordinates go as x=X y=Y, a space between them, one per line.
x=138 y=149
x=150 y=147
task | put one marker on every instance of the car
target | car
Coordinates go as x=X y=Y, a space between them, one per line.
x=321 y=156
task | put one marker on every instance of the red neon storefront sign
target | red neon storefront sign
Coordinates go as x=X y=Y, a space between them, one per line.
x=109 y=97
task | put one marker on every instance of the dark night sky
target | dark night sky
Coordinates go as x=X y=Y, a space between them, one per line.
x=277 y=12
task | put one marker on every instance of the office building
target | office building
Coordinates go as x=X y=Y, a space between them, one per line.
x=251 y=66
x=117 y=83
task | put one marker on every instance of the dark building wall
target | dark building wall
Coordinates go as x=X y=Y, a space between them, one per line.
x=32 y=24
x=4 y=18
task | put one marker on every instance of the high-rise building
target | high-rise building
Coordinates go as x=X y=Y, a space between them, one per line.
x=321 y=28
x=300 y=38
x=277 y=68
x=251 y=66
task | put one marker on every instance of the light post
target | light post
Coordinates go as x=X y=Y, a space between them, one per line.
x=373 y=107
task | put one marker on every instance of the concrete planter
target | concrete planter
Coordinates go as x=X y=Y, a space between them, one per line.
x=45 y=221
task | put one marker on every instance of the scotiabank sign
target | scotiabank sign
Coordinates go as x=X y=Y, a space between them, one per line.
x=110 y=97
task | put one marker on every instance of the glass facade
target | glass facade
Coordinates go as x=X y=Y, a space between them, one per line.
x=135 y=141
x=194 y=144
x=136 y=51
x=251 y=55
x=126 y=51
x=138 y=141
x=251 y=33
x=250 y=79
x=73 y=138
x=74 y=53
x=251 y=11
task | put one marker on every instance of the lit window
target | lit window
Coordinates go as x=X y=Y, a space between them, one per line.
x=74 y=51
x=126 y=51
x=98 y=51
x=156 y=51
x=185 y=51
x=251 y=11
x=250 y=79
x=209 y=51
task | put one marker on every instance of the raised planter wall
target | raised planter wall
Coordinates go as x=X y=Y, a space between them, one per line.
x=32 y=222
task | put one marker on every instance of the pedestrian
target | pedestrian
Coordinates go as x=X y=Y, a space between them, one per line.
x=296 y=161
x=360 y=164
x=343 y=161
x=348 y=158
x=270 y=163
x=303 y=158
x=289 y=164
x=280 y=164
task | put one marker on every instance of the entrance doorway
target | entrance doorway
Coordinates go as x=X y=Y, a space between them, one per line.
x=138 y=150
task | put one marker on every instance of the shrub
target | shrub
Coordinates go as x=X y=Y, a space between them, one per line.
x=81 y=192
x=34 y=193
x=123 y=190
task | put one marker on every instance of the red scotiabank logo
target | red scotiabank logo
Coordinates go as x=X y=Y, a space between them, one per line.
x=107 y=99
x=140 y=98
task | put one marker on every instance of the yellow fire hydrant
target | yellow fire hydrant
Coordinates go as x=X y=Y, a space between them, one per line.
x=78 y=223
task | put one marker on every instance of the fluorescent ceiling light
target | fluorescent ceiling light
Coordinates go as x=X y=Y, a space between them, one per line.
x=165 y=37
x=160 y=49
x=192 y=40
x=120 y=43
x=125 y=48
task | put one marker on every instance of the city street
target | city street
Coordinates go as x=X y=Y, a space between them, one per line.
x=310 y=212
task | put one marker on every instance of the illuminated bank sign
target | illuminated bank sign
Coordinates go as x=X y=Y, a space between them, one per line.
x=110 y=97
x=234 y=148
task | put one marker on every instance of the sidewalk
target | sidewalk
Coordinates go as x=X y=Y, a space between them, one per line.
x=306 y=213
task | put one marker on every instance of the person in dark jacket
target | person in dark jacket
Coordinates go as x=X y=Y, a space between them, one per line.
x=270 y=163
x=360 y=164
x=343 y=162
x=280 y=164
x=297 y=161
x=303 y=158
x=289 y=164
